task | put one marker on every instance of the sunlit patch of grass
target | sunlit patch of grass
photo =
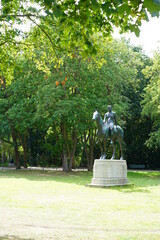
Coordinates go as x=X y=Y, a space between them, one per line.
x=56 y=205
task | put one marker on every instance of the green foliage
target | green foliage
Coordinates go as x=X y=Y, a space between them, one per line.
x=151 y=106
x=22 y=96
x=53 y=77
x=7 y=64
x=71 y=24
x=51 y=100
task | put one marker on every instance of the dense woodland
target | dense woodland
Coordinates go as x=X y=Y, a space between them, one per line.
x=53 y=77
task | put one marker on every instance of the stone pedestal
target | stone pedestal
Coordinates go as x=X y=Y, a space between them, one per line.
x=109 y=173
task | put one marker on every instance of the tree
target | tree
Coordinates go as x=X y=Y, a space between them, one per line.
x=82 y=83
x=18 y=105
x=150 y=110
x=43 y=99
x=137 y=128
x=7 y=65
x=151 y=100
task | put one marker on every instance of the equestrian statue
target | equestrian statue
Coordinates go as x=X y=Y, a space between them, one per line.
x=108 y=128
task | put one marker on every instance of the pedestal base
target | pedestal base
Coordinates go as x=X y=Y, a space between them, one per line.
x=109 y=173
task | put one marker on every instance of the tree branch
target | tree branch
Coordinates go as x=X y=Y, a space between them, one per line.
x=41 y=30
x=23 y=43
x=7 y=141
x=44 y=33
x=19 y=15
x=1 y=44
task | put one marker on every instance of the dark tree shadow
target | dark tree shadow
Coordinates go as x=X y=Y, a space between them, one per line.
x=140 y=181
x=80 y=178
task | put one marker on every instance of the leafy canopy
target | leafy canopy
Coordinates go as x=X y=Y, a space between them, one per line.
x=76 y=21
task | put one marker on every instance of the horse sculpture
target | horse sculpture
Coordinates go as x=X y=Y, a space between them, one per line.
x=103 y=133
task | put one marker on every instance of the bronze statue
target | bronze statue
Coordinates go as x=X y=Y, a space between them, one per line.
x=111 y=119
x=106 y=129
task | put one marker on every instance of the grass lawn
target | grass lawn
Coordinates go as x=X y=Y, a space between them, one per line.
x=55 y=205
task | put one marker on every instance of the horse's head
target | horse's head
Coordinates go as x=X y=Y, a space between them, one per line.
x=95 y=115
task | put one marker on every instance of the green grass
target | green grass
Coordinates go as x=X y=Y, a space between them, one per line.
x=55 y=205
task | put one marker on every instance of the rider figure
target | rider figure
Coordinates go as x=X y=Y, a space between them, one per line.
x=111 y=119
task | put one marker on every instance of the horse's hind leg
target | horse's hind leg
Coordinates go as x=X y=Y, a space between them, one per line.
x=121 y=148
x=114 y=150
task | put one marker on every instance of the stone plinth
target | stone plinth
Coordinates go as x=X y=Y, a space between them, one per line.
x=109 y=173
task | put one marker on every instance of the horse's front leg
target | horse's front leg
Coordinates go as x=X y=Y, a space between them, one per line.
x=105 y=149
x=114 y=150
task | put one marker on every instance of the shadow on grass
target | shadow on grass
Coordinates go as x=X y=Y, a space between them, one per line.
x=140 y=181
x=12 y=237
x=80 y=178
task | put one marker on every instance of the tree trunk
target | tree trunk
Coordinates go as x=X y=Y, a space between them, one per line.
x=25 y=151
x=85 y=146
x=67 y=152
x=91 y=149
x=3 y=158
x=71 y=162
x=65 y=162
x=16 y=153
x=24 y=145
